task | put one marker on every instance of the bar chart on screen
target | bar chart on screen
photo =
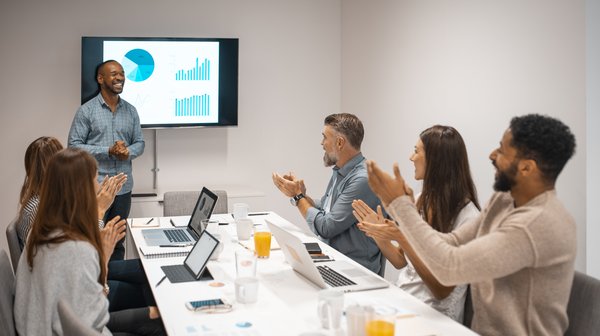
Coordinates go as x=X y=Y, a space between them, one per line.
x=198 y=72
x=193 y=106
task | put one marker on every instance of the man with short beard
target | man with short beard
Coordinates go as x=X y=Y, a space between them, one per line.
x=519 y=254
x=330 y=217
x=108 y=127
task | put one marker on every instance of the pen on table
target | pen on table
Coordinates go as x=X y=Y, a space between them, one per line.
x=172 y=223
x=258 y=214
x=244 y=246
x=148 y=222
x=161 y=280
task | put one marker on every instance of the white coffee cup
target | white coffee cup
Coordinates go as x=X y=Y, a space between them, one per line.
x=246 y=289
x=245 y=263
x=240 y=211
x=243 y=227
x=330 y=308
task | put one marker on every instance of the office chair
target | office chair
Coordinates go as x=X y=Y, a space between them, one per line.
x=71 y=325
x=7 y=296
x=181 y=203
x=468 y=312
x=13 y=243
x=583 y=309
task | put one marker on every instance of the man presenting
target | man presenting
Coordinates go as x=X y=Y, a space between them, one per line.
x=108 y=127
x=331 y=216
x=519 y=253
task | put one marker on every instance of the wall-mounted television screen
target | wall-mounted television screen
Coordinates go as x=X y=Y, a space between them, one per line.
x=173 y=82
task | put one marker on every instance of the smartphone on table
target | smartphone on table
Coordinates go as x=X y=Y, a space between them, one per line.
x=209 y=306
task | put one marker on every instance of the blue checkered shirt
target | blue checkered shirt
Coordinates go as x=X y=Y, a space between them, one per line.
x=95 y=129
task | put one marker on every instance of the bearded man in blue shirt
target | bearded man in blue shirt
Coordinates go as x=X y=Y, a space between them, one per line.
x=109 y=128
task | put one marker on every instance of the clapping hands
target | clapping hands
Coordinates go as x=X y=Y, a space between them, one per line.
x=108 y=189
x=112 y=232
x=288 y=184
x=386 y=187
x=374 y=224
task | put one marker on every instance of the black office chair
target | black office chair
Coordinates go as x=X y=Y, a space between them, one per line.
x=583 y=309
x=468 y=312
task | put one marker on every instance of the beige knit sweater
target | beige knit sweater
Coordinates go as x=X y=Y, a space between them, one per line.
x=519 y=261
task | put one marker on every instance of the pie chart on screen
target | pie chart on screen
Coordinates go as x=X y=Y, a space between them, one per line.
x=138 y=65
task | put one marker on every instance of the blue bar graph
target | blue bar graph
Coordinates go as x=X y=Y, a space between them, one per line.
x=199 y=72
x=194 y=106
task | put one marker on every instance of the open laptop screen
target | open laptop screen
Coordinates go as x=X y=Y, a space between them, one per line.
x=203 y=209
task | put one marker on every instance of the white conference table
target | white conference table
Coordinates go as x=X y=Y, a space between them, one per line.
x=287 y=302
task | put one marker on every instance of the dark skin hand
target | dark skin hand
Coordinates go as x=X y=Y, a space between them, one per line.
x=119 y=150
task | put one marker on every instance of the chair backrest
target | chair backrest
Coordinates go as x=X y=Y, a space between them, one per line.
x=468 y=312
x=70 y=322
x=181 y=203
x=7 y=296
x=13 y=243
x=584 y=306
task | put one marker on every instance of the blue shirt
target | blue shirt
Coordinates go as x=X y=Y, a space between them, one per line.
x=95 y=129
x=338 y=226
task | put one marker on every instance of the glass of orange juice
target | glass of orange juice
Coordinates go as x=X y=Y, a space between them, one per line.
x=262 y=243
x=382 y=322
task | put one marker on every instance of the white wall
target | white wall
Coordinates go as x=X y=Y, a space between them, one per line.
x=593 y=121
x=400 y=65
x=407 y=65
x=289 y=80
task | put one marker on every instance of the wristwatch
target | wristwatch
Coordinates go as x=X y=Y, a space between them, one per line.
x=294 y=200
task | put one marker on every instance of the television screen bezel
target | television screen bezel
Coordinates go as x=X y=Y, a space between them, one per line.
x=92 y=55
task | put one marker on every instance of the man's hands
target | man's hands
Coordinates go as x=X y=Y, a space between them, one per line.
x=119 y=150
x=289 y=184
x=108 y=189
x=386 y=187
x=113 y=231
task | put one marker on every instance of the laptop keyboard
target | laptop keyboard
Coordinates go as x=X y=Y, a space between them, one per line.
x=177 y=273
x=176 y=236
x=333 y=278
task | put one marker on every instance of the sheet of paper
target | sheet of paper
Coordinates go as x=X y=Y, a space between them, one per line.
x=144 y=222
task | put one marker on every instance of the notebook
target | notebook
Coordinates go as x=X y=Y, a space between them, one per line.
x=194 y=266
x=152 y=252
x=184 y=236
x=340 y=275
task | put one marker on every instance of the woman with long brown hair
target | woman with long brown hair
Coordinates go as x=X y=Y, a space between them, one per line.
x=447 y=200
x=66 y=255
x=37 y=155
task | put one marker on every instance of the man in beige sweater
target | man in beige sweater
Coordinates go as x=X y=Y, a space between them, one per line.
x=518 y=255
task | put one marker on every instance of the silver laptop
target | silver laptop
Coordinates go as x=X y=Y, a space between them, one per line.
x=184 y=236
x=194 y=266
x=340 y=275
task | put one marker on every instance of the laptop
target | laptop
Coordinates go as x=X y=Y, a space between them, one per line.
x=340 y=275
x=194 y=266
x=184 y=236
